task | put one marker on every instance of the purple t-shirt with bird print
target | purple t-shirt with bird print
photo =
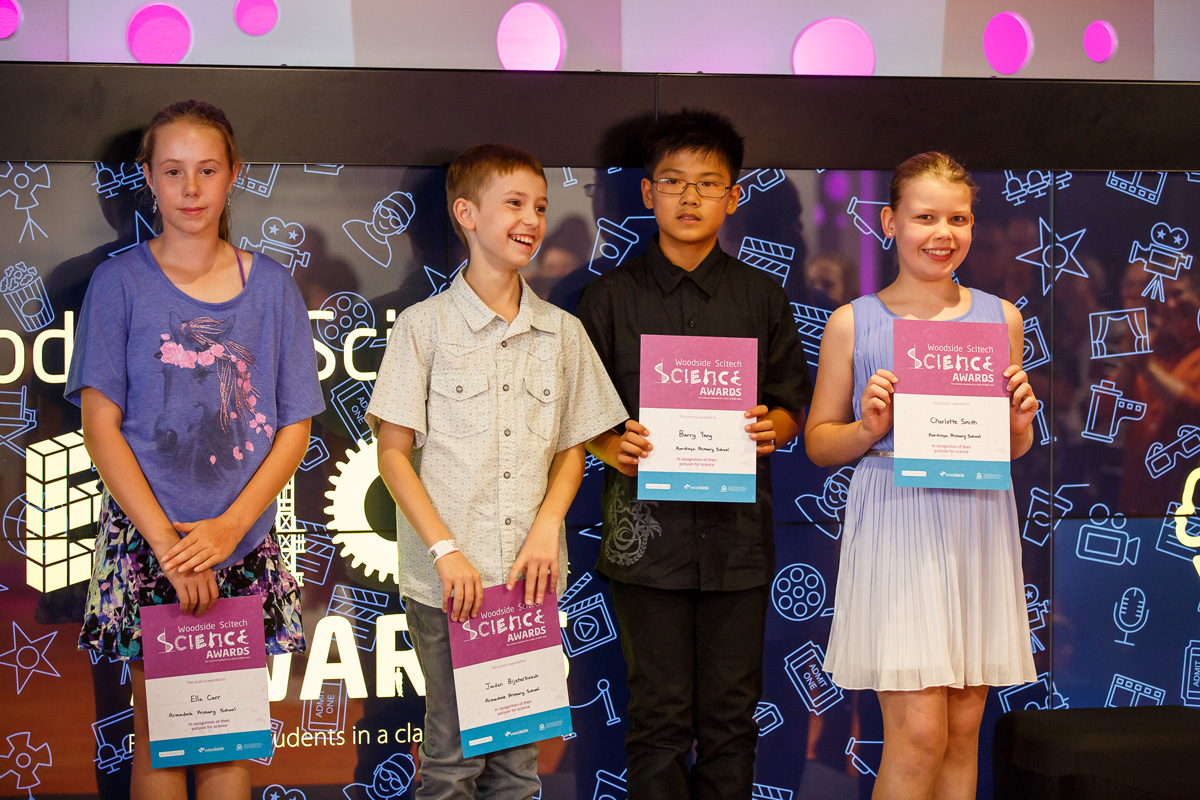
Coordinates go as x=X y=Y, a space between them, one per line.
x=202 y=386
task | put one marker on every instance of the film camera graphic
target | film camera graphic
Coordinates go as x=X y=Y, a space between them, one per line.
x=1164 y=258
x=281 y=241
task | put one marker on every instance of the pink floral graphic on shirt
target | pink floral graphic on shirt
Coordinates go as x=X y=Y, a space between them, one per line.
x=232 y=363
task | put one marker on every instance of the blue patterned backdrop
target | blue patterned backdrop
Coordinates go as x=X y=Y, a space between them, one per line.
x=1098 y=263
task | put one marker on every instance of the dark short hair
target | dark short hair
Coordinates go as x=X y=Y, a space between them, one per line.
x=474 y=168
x=697 y=130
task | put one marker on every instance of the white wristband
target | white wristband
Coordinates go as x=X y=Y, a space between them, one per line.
x=442 y=548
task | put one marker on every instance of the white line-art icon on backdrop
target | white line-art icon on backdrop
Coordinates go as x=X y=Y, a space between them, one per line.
x=257 y=179
x=281 y=241
x=1105 y=541
x=390 y=217
x=1035 y=183
x=1146 y=186
x=1130 y=613
x=1107 y=409
x=1123 y=332
x=22 y=180
x=867 y=219
x=1164 y=258
x=1054 y=255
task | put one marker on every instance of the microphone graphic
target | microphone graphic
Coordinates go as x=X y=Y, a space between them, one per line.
x=1130 y=613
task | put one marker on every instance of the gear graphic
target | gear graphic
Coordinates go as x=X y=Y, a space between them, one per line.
x=23 y=761
x=348 y=515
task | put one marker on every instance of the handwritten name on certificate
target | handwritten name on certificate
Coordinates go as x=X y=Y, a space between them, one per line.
x=951 y=407
x=509 y=672
x=206 y=683
x=695 y=391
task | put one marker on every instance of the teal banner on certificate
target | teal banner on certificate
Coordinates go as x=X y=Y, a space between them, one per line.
x=719 y=487
x=206 y=683
x=951 y=410
x=509 y=675
x=695 y=391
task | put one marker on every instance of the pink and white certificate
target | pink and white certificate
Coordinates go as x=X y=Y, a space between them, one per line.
x=509 y=672
x=206 y=683
x=695 y=391
x=951 y=407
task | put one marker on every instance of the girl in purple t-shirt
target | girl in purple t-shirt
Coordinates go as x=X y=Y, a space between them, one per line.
x=195 y=371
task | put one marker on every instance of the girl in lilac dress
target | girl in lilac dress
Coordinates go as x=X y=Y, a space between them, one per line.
x=930 y=606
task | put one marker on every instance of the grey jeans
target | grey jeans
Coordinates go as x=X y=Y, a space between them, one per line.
x=445 y=774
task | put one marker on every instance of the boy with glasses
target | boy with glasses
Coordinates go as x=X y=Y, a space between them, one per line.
x=690 y=580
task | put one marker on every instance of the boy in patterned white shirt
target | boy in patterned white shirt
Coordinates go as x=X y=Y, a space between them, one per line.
x=483 y=403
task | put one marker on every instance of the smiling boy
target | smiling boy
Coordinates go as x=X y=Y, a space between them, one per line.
x=483 y=403
x=690 y=580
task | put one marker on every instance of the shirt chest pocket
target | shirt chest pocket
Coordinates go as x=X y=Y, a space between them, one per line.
x=459 y=405
x=542 y=399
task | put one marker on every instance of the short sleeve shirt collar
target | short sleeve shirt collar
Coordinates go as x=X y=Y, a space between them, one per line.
x=532 y=314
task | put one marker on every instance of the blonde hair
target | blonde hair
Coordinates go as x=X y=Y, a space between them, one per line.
x=477 y=166
x=931 y=165
x=197 y=112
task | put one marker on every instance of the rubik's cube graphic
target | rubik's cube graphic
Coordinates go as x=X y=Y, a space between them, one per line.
x=62 y=503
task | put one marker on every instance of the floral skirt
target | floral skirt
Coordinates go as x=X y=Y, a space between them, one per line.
x=126 y=576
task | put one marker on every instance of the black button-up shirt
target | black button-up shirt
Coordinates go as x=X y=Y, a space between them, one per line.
x=686 y=544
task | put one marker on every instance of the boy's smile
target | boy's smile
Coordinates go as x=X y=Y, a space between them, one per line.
x=510 y=220
x=688 y=223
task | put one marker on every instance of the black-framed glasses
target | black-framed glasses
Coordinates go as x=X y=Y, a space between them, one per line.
x=708 y=189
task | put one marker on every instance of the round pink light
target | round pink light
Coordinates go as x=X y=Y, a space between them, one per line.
x=158 y=33
x=1100 y=41
x=256 y=17
x=833 y=46
x=530 y=36
x=1007 y=42
x=10 y=17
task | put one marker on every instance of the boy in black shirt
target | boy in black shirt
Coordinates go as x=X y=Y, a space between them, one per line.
x=690 y=580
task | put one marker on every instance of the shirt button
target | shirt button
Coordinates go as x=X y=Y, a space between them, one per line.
x=507 y=475
x=505 y=387
x=546 y=392
x=702 y=536
x=691 y=323
x=504 y=343
x=458 y=389
x=507 y=432
x=508 y=520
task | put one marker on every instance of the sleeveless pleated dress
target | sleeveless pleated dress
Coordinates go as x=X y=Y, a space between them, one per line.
x=930 y=590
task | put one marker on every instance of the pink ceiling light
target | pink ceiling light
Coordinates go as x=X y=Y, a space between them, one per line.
x=10 y=17
x=158 y=33
x=1007 y=42
x=530 y=37
x=1100 y=41
x=256 y=17
x=833 y=46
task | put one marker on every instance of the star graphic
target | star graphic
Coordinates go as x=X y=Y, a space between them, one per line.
x=274 y=229
x=292 y=234
x=1055 y=255
x=27 y=657
x=139 y=225
x=440 y=281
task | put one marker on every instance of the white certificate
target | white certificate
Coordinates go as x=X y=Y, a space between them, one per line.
x=695 y=391
x=951 y=406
